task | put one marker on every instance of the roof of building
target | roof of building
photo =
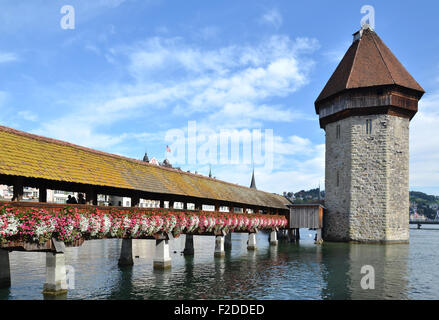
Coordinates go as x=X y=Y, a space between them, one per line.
x=27 y=155
x=368 y=63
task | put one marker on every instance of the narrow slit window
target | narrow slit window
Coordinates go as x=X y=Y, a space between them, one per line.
x=368 y=126
x=338 y=178
x=338 y=132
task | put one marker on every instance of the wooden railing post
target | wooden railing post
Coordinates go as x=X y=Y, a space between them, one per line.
x=91 y=197
x=135 y=201
x=42 y=194
x=18 y=189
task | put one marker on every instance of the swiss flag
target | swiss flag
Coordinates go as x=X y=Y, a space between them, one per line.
x=168 y=149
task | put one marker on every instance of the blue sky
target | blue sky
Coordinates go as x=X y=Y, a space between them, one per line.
x=131 y=71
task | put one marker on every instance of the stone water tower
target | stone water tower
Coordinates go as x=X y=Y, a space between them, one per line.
x=365 y=110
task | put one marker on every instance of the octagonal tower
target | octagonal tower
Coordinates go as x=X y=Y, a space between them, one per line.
x=365 y=110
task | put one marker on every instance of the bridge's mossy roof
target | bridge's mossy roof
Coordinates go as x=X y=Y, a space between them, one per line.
x=27 y=155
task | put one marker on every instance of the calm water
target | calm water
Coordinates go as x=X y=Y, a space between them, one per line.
x=289 y=271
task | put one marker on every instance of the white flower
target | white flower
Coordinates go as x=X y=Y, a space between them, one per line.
x=83 y=224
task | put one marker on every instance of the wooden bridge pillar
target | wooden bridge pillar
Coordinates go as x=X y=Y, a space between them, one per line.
x=135 y=201
x=189 y=245
x=251 y=244
x=198 y=206
x=319 y=238
x=91 y=197
x=42 y=194
x=56 y=274
x=18 y=189
x=5 y=271
x=126 y=253
x=162 y=259
x=228 y=241
x=219 y=246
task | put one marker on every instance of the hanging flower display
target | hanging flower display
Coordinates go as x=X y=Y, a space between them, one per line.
x=40 y=225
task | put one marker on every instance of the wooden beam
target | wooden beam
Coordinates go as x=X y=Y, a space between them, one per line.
x=91 y=197
x=42 y=194
x=135 y=201
x=18 y=189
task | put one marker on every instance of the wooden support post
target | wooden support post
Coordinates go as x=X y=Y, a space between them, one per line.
x=42 y=194
x=126 y=253
x=18 y=189
x=290 y=235
x=319 y=239
x=189 y=245
x=91 y=197
x=198 y=206
x=228 y=241
x=5 y=271
x=135 y=201
x=171 y=204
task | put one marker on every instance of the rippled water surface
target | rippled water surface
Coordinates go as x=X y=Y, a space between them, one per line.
x=289 y=271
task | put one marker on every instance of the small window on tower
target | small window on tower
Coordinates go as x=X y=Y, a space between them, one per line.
x=338 y=178
x=338 y=131
x=368 y=126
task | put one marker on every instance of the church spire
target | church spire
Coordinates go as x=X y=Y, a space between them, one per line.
x=145 y=157
x=210 y=171
x=253 y=183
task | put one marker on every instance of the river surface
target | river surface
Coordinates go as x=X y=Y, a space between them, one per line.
x=288 y=271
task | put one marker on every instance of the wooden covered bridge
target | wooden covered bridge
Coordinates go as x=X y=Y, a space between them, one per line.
x=43 y=163
x=28 y=160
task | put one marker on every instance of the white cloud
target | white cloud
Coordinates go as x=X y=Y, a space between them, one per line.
x=289 y=174
x=28 y=115
x=8 y=57
x=273 y=18
x=229 y=87
x=424 y=144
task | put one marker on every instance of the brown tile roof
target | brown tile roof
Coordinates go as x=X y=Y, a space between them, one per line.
x=367 y=63
x=28 y=155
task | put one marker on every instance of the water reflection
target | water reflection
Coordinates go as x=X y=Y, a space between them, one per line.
x=342 y=271
x=287 y=271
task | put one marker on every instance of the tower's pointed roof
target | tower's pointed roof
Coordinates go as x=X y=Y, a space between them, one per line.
x=368 y=63
x=253 y=183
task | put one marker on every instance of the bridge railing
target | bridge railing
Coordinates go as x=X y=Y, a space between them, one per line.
x=39 y=223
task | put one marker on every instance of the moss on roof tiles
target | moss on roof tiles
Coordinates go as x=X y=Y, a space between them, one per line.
x=27 y=155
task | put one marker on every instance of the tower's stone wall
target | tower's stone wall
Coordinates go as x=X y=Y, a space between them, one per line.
x=337 y=197
x=370 y=202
